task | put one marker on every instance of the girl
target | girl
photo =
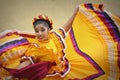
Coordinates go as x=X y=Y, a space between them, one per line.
x=46 y=53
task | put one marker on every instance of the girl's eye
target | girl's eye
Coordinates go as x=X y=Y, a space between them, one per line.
x=36 y=31
x=42 y=30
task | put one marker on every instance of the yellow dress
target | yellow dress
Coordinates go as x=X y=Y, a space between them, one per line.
x=91 y=49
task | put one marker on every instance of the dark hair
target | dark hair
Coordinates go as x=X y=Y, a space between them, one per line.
x=42 y=21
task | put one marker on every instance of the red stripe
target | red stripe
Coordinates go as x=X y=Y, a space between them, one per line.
x=27 y=35
x=8 y=34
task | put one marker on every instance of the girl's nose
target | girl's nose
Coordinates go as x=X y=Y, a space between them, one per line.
x=40 y=32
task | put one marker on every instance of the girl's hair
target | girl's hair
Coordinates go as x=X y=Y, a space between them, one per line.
x=43 y=19
x=41 y=22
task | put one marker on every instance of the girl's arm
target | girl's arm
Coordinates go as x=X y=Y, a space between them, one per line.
x=25 y=62
x=68 y=24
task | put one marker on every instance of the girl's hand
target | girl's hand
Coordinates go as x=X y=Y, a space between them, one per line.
x=24 y=58
x=68 y=24
x=76 y=9
x=24 y=64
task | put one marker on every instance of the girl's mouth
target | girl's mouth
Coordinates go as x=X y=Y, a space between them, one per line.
x=40 y=38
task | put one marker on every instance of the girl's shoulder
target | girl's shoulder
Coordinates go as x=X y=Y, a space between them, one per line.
x=59 y=32
x=58 y=37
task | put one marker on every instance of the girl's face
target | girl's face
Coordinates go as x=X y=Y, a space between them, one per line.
x=42 y=32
